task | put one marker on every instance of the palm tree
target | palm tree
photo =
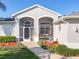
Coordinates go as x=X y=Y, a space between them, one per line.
x=2 y=6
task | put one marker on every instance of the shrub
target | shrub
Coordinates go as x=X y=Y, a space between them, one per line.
x=52 y=49
x=7 y=38
x=76 y=52
x=63 y=50
x=41 y=43
x=57 y=48
x=47 y=43
x=44 y=47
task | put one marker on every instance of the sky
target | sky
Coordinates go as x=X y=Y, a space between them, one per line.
x=61 y=6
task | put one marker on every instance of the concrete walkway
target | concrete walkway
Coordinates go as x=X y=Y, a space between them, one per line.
x=42 y=53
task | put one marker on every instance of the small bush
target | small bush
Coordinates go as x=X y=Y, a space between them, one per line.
x=47 y=43
x=41 y=43
x=52 y=49
x=61 y=49
x=44 y=47
x=7 y=39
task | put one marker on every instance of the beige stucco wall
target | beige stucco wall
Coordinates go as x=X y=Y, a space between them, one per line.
x=60 y=34
x=68 y=34
x=36 y=14
x=16 y=28
x=73 y=34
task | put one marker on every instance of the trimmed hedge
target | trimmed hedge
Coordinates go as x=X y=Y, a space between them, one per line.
x=59 y=49
x=63 y=50
x=7 y=39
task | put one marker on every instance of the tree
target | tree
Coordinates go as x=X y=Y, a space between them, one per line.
x=2 y=6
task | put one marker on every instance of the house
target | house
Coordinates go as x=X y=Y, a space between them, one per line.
x=36 y=21
x=33 y=22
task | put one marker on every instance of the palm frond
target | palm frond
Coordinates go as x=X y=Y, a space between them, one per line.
x=2 y=6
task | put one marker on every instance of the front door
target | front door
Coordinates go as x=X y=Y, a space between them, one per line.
x=26 y=34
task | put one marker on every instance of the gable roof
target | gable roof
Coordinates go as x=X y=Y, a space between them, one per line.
x=7 y=20
x=34 y=6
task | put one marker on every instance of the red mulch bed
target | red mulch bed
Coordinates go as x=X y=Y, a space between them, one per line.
x=50 y=43
x=8 y=44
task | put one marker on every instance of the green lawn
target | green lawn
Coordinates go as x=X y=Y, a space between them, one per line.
x=18 y=52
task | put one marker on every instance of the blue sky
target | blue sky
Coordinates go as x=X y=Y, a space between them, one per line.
x=60 y=6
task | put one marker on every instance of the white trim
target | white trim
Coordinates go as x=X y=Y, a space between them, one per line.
x=23 y=33
x=60 y=21
x=34 y=6
x=7 y=21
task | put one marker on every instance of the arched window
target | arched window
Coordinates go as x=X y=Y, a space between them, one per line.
x=46 y=26
x=26 y=21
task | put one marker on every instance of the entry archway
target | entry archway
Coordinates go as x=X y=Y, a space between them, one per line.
x=26 y=28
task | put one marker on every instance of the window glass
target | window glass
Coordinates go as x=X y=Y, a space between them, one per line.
x=27 y=24
x=44 y=28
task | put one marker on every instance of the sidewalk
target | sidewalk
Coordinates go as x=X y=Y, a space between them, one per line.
x=42 y=53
